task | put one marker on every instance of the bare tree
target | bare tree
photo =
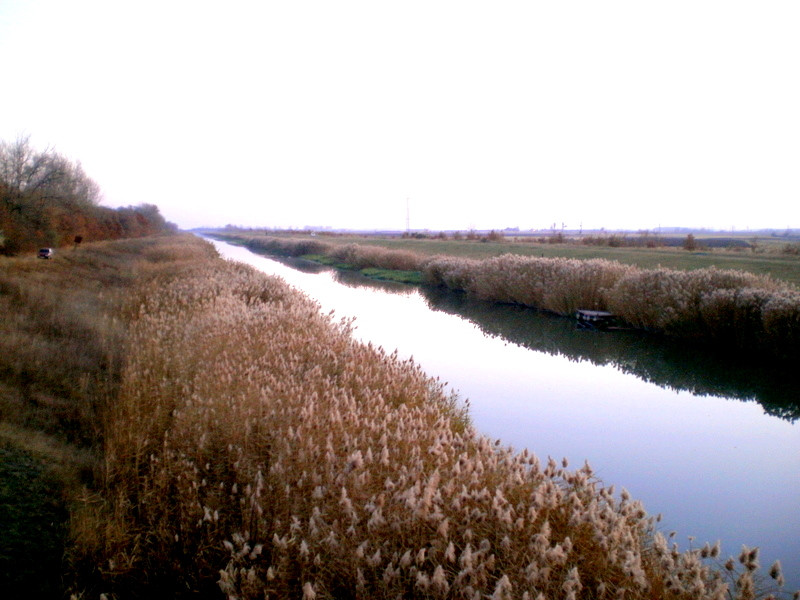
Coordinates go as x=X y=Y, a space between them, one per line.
x=40 y=176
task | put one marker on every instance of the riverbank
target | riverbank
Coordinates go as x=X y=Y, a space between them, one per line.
x=768 y=257
x=244 y=442
x=729 y=309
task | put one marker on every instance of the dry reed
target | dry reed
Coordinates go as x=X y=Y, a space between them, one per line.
x=255 y=446
x=732 y=308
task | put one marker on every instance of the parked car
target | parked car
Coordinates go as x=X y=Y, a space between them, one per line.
x=45 y=253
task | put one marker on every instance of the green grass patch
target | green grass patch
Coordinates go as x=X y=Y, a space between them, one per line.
x=329 y=261
x=413 y=277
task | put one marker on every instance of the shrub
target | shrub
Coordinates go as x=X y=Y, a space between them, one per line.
x=678 y=302
x=791 y=249
x=362 y=257
x=288 y=247
x=780 y=316
x=555 y=284
x=453 y=273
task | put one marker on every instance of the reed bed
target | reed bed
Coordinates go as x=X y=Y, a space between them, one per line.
x=738 y=309
x=732 y=308
x=728 y=308
x=362 y=257
x=256 y=449
x=353 y=255
x=288 y=246
x=557 y=285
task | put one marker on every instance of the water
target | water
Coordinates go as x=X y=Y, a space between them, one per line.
x=714 y=448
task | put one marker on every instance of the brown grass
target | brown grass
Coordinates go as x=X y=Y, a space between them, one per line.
x=273 y=455
x=248 y=446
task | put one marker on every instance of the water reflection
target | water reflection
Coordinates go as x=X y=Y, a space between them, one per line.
x=352 y=279
x=668 y=364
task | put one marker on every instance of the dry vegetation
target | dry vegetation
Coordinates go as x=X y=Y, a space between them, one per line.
x=730 y=308
x=246 y=446
x=738 y=309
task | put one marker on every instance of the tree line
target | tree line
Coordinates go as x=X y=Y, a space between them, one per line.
x=48 y=200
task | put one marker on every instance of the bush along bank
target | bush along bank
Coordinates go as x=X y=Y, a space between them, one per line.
x=729 y=309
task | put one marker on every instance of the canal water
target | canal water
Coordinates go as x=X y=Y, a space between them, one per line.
x=712 y=445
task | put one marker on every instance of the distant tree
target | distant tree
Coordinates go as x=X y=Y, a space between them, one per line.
x=35 y=177
x=690 y=243
x=46 y=200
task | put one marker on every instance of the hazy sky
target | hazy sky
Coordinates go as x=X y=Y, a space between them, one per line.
x=628 y=114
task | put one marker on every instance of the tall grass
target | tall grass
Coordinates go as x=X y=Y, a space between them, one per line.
x=354 y=255
x=558 y=285
x=732 y=308
x=287 y=246
x=245 y=445
x=729 y=308
x=374 y=256
x=255 y=448
x=61 y=353
x=742 y=309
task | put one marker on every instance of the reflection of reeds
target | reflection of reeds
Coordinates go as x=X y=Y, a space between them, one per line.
x=666 y=362
x=256 y=445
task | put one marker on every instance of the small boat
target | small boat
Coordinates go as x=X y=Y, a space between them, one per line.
x=594 y=319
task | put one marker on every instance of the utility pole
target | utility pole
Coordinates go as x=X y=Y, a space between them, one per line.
x=408 y=217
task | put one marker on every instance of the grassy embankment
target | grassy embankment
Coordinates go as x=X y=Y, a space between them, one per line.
x=61 y=351
x=733 y=309
x=213 y=433
x=769 y=257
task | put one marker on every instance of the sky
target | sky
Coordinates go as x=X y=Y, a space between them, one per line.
x=436 y=114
